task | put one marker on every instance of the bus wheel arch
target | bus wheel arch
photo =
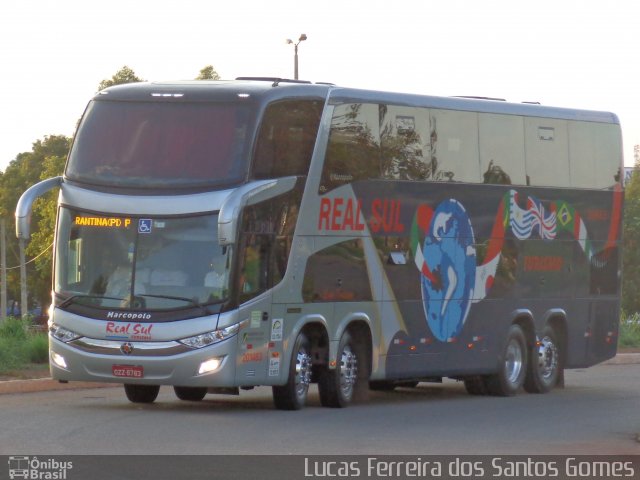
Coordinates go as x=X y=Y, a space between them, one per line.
x=546 y=361
x=348 y=381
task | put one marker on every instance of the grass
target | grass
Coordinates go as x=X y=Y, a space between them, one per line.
x=629 y=335
x=21 y=346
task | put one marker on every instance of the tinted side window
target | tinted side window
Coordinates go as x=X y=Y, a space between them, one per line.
x=454 y=145
x=353 y=152
x=594 y=155
x=547 y=152
x=286 y=139
x=502 y=149
x=267 y=236
x=405 y=141
x=337 y=274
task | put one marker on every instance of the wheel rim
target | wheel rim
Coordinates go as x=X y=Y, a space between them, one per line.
x=348 y=372
x=547 y=358
x=513 y=361
x=303 y=373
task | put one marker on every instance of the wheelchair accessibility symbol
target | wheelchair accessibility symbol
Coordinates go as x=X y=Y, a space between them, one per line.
x=144 y=225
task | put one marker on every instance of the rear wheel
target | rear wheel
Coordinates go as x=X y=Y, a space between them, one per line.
x=337 y=387
x=544 y=363
x=190 y=394
x=512 y=367
x=475 y=385
x=293 y=394
x=141 y=393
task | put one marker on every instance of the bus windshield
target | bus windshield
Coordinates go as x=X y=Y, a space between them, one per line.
x=127 y=262
x=160 y=144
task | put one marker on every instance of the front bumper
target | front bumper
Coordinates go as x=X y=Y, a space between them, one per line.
x=159 y=363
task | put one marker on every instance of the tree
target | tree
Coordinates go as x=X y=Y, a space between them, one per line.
x=44 y=209
x=631 y=244
x=208 y=73
x=124 y=75
x=27 y=169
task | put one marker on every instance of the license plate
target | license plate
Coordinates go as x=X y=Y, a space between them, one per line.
x=128 y=371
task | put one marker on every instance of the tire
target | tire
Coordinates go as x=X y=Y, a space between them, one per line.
x=544 y=363
x=141 y=393
x=293 y=394
x=475 y=385
x=190 y=394
x=512 y=366
x=339 y=386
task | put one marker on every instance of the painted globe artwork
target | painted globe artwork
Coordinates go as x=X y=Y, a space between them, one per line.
x=450 y=255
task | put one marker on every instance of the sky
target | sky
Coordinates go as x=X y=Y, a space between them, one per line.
x=566 y=53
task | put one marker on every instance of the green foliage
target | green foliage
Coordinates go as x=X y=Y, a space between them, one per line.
x=629 y=334
x=14 y=328
x=19 y=345
x=37 y=348
x=208 y=73
x=44 y=209
x=124 y=75
x=45 y=160
x=631 y=245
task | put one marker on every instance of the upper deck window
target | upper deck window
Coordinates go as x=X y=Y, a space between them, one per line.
x=286 y=139
x=160 y=144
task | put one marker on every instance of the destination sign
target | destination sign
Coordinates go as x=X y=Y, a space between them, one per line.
x=108 y=222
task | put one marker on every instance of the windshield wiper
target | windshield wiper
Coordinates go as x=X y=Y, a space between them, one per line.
x=74 y=299
x=192 y=301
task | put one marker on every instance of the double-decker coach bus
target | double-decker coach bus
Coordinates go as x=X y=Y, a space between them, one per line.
x=218 y=236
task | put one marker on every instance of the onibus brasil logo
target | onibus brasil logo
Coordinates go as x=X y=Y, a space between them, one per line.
x=38 y=469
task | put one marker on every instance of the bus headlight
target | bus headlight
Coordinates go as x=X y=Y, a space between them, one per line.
x=210 y=366
x=59 y=360
x=209 y=338
x=62 y=333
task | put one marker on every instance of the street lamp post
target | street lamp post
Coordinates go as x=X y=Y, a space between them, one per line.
x=302 y=38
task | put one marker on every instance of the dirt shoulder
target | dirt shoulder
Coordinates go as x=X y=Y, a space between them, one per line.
x=27 y=373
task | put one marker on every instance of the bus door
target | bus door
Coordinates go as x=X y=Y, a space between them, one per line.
x=255 y=299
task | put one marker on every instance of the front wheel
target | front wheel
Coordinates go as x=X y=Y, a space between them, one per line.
x=293 y=394
x=190 y=394
x=544 y=365
x=339 y=386
x=141 y=393
x=512 y=367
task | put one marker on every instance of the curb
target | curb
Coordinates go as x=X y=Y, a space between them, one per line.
x=624 y=359
x=47 y=384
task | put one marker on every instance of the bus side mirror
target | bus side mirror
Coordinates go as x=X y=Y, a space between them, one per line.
x=23 y=209
x=248 y=194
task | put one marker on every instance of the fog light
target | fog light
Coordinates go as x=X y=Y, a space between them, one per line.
x=59 y=360
x=210 y=365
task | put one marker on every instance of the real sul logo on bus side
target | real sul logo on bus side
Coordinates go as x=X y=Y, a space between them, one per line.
x=338 y=214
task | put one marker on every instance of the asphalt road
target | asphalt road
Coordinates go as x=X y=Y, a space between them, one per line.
x=598 y=412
